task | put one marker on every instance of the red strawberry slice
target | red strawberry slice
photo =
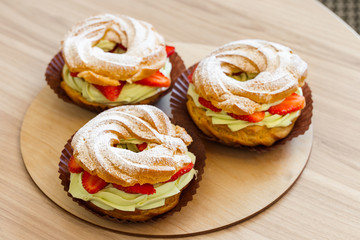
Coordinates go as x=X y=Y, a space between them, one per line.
x=237 y=73
x=118 y=45
x=191 y=75
x=181 y=172
x=208 y=104
x=255 y=117
x=291 y=104
x=170 y=50
x=141 y=146
x=74 y=74
x=113 y=50
x=73 y=166
x=137 y=188
x=92 y=183
x=155 y=80
x=122 y=47
x=111 y=92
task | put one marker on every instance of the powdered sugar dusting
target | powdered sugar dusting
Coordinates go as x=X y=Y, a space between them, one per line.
x=145 y=47
x=281 y=72
x=94 y=145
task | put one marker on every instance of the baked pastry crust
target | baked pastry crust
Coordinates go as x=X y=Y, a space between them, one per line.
x=248 y=136
x=144 y=56
x=279 y=73
x=94 y=143
x=94 y=148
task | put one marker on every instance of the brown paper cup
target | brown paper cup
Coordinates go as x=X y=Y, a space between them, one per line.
x=196 y=147
x=53 y=78
x=180 y=114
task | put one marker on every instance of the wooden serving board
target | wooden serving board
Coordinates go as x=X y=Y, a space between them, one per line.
x=236 y=185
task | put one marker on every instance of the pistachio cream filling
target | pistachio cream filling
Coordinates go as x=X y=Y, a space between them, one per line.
x=105 y=45
x=130 y=144
x=130 y=93
x=243 y=76
x=269 y=120
x=111 y=198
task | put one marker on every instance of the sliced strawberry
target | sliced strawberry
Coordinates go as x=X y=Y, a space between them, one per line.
x=170 y=50
x=113 y=50
x=181 y=172
x=141 y=146
x=92 y=183
x=73 y=166
x=118 y=45
x=111 y=92
x=155 y=80
x=291 y=104
x=137 y=188
x=255 y=117
x=237 y=73
x=74 y=74
x=208 y=104
x=191 y=75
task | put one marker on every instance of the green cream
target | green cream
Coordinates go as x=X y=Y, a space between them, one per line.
x=111 y=198
x=269 y=121
x=242 y=77
x=130 y=93
x=106 y=45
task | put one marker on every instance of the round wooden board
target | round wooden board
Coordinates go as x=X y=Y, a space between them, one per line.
x=236 y=184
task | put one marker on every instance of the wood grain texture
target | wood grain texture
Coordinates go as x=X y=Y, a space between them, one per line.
x=324 y=204
x=238 y=183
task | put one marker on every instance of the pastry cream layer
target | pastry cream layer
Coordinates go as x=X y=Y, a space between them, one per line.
x=269 y=121
x=130 y=93
x=111 y=198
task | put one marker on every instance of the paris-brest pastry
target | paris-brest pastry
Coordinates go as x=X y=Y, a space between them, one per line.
x=247 y=92
x=113 y=60
x=130 y=163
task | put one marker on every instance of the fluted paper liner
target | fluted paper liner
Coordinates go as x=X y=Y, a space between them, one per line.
x=53 y=77
x=181 y=116
x=196 y=147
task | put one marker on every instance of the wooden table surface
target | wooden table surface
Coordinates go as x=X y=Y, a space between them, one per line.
x=323 y=204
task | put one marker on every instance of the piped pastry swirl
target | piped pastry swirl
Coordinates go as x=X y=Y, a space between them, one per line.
x=112 y=60
x=145 y=49
x=247 y=93
x=279 y=72
x=96 y=152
